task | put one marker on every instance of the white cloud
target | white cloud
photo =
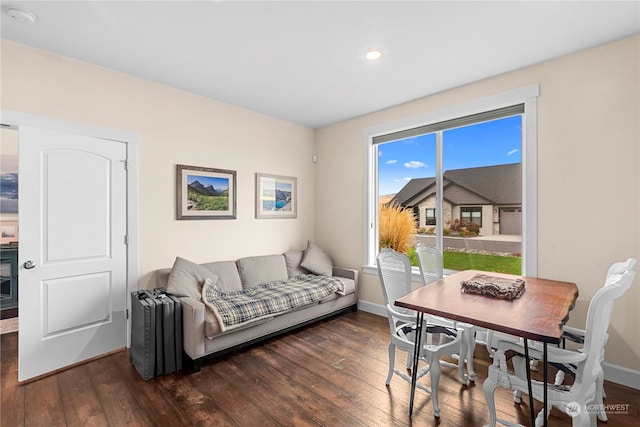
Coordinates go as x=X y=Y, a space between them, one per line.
x=415 y=164
x=514 y=151
x=390 y=162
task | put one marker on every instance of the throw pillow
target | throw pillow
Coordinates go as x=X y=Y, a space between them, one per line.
x=316 y=260
x=256 y=270
x=186 y=279
x=293 y=260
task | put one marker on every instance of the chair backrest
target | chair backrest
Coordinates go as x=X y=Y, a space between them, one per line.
x=430 y=263
x=598 y=319
x=621 y=267
x=394 y=271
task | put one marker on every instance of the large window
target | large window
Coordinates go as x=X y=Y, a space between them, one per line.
x=430 y=216
x=468 y=215
x=456 y=169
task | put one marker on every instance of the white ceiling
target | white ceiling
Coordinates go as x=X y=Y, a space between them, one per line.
x=303 y=61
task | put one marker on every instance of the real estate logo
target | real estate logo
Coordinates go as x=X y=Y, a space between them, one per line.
x=574 y=409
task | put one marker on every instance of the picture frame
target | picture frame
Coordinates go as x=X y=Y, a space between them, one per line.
x=276 y=196
x=205 y=193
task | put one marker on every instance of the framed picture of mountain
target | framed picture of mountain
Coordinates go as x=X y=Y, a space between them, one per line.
x=205 y=193
x=276 y=196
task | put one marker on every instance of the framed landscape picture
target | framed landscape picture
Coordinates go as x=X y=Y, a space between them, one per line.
x=276 y=196
x=205 y=193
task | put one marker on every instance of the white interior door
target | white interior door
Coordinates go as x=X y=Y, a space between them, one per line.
x=73 y=254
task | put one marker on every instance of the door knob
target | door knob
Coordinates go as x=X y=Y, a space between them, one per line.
x=29 y=264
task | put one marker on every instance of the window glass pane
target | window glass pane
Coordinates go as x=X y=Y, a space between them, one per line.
x=482 y=172
x=406 y=175
x=481 y=201
x=430 y=216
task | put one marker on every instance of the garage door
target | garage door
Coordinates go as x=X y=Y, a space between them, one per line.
x=511 y=221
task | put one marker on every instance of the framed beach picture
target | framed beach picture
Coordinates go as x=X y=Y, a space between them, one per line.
x=276 y=196
x=205 y=193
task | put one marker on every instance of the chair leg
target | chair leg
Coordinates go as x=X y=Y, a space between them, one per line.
x=584 y=419
x=489 y=387
x=488 y=340
x=471 y=347
x=409 y=363
x=602 y=415
x=435 y=379
x=464 y=356
x=520 y=372
x=392 y=362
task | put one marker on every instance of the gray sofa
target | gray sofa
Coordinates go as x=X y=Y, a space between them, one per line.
x=204 y=332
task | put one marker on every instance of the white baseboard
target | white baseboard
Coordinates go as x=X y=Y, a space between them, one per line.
x=613 y=373
x=372 y=308
x=621 y=375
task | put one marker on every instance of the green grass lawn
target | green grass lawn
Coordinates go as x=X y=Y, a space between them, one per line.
x=468 y=261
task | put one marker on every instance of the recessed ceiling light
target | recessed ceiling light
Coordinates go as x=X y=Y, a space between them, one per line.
x=374 y=54
x=21 y=15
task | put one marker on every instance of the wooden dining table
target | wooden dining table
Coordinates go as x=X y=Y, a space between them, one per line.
x=537 y=314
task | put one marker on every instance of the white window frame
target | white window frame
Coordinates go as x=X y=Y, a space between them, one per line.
x=528 y=96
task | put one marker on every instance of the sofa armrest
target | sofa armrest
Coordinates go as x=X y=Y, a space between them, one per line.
x=193 y=327
x=348 y=273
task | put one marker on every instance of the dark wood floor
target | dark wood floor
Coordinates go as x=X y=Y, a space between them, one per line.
x=329 y=374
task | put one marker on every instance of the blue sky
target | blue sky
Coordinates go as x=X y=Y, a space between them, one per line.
x=217 y=183
x=484 y=144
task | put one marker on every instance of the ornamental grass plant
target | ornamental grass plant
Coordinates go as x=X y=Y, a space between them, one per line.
x=397 y=226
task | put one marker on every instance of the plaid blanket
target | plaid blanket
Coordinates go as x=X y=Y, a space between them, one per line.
x=232 y=309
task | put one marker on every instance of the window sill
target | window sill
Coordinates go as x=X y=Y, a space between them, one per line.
x=415 y=275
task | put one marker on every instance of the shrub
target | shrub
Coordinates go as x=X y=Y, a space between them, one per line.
x=455 y=226
x=396 y=227
x=427 y=230
x=472 y=227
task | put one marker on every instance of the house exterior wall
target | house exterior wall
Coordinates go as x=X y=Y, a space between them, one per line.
x=450 y=213
x=487 y=228
x=430 y=203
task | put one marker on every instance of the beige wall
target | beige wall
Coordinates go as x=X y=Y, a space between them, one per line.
x=588 y=149
x=175 y=127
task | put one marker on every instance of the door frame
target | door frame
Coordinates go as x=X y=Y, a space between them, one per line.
x=14 y=119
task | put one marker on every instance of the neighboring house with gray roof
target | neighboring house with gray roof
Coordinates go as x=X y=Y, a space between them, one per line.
x=490 y=196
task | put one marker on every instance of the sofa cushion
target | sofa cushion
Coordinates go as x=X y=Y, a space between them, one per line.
x=293 y=260
x=227 y=272
x=316 y=260
x=186 y=279
x=256 y=270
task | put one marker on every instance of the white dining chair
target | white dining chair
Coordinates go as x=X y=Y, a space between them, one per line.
x=570 y=399
x=394 y=270
x=431 y=266
x=577 y=335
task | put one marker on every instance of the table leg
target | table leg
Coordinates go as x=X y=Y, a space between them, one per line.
x=532 y=412
x=416 y=359
x=544 y=384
